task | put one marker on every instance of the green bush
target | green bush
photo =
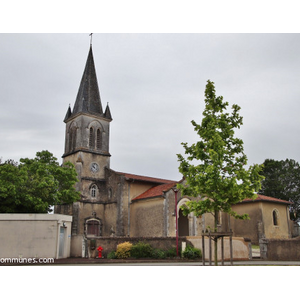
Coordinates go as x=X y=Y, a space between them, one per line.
x=111 y=255
x=144 y=250
x=172 y=252
x=159 y=254
x=123 y=250
x=191 y=252
x=141 y=250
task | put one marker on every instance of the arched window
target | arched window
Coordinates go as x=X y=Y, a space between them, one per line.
x=275 y=217
x=92 y=138
x=183 y=224
x=94 y=191
x=93 y=227
x=72 y=138
x=99 y=139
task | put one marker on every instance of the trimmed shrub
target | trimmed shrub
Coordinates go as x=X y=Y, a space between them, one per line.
x=141 y=250
x=172 y=252
x=111 y=255
x=191 y=252
x=123 y=250
x=159 y=254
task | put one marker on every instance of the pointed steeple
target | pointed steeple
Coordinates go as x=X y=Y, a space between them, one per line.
x=107 y=113
x=68 y=114
x=88 y=98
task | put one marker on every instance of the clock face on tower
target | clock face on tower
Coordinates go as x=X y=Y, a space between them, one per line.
x=94 y=167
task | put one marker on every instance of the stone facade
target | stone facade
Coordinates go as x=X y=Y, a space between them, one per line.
x=113 y=213
x=160 y=210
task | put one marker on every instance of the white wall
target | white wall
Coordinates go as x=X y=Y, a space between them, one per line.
x=34 y=235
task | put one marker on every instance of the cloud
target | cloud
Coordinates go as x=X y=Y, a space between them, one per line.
x=154 y=84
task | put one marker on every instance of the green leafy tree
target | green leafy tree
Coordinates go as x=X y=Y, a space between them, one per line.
x=34 y=185
x=282 y=181
x=214 y=168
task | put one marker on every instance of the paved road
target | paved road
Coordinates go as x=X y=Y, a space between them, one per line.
x=187 y=264
x=107 y=262
x=171 y=262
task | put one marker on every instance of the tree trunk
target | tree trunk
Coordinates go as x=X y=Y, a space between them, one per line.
x=216 y=239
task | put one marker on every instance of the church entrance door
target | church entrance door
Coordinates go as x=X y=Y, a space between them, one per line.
x=183 y=224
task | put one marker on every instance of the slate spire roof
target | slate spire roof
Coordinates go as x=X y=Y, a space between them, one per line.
x=88 y=97
x=107 y=113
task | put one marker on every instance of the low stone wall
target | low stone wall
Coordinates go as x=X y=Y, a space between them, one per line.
x=280 y=249
x=241 y=248
x=110 y=243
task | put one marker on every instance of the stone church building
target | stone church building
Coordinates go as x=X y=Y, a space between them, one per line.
x=105 y=205
x=120 y=204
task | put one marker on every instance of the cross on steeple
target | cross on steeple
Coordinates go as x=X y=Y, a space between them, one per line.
x=91 y=35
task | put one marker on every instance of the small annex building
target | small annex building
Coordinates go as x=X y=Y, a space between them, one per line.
x=269 y=218
x=35 y=236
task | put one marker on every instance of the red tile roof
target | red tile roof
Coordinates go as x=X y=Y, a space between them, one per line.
x=267 y=199
x=156 y=191
x=145 y=178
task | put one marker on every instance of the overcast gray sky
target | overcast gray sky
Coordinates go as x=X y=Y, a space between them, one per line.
x=154 y=84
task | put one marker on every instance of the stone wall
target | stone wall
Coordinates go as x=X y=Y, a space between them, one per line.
x=147 y=218
x=110 y=243
x=280 y=249
x=253 y=228
x=241 y=248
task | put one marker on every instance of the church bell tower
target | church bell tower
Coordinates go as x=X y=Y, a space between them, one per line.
x=87 y=134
